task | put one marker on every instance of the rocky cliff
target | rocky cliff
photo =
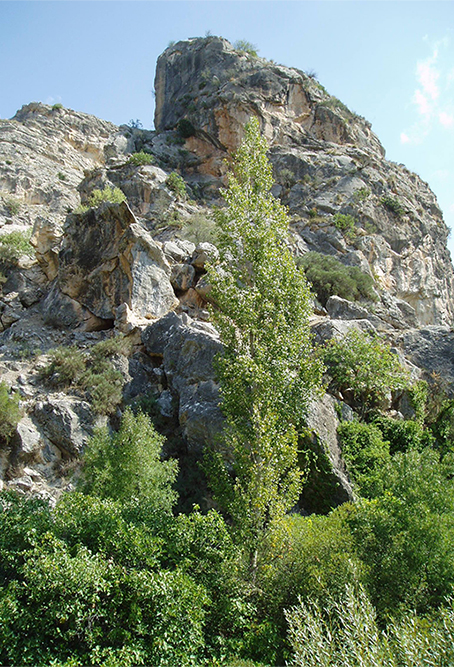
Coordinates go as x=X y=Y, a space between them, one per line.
x=137 y=267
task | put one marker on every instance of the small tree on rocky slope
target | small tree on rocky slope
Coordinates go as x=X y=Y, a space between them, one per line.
x=267 y=371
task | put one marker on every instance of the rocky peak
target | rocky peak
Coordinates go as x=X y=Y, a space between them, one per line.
x=218 y=88
x=330 y=168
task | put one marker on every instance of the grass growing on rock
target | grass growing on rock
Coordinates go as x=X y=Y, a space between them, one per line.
x=93 y=372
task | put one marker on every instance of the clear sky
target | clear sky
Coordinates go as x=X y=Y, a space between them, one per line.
x=390 y=61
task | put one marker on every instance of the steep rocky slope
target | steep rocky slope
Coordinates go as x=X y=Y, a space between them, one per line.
x=137 y=267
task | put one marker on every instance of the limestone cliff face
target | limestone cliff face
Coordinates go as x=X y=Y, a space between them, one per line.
x=327 y=161
x=137 y=267
x=44 y=152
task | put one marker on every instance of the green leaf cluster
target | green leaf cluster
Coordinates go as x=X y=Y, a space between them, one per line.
x=346 y=223
x=10 y=413
x=328 y=276
x=246 y=47
x=93 y=372
x=127 y=464
x=364 y=367
x=393 y=205
x=268 y=370
x=141 y=158
x=176 y=184
x=14 y=245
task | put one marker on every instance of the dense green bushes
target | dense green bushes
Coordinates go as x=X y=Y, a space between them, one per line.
x=364 y=367
x=328 y=277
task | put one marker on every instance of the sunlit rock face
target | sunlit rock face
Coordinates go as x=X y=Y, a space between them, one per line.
x=139 y=267
x=327 y=163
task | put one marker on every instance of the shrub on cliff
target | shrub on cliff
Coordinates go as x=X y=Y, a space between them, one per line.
x=10 y=413
x=14 y=245
x=328 y=276
x=176 y=184
x=364 y=367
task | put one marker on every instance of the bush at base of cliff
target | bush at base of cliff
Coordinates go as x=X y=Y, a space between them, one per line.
x=365 y=452
x=79 y=605
x=330 y=277
x=405 y=536
x=132 y=455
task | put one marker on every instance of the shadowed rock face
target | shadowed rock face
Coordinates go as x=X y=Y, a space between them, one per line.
x=108 y=259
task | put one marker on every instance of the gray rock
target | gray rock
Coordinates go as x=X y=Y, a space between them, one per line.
x=157 y=335
x=204 y=252
x=67 y=421
x=326 y=329
x=182 y=277
x=108 y=259
x=342 y=309
x=322 y=420
x=431 y=349
x=178 y=250
x=28 y=439
x=188 y=349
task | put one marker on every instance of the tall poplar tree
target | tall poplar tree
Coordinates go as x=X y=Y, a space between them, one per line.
x=268 y=371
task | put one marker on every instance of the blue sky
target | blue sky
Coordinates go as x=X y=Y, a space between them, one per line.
x=392 y=62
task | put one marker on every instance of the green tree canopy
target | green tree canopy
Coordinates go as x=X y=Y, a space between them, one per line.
x=268 y=371
x=127 y=464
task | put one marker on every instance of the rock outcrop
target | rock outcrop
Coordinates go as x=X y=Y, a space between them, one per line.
x=327 y=162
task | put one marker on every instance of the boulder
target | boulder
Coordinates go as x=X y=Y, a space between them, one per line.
x=108 y=259
x=328 y=484
x=188 y=349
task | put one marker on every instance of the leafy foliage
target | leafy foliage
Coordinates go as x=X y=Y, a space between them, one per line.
x=14 y=245
x=98 y=197
x=65 y=366
x=79 y=604
x=346 y=224
x=113 y=195
x=365 y=367
x=365 y=452
x=141 y=158
x=200 y=228
x=345 y=632
x=13 y=205
x=185 y=128
x=68 y=366
x=405 y=536
x=246 y=47
x=393 y=205
x=127 y=464
x=267 y=371
x=10 y=413
x=328 y=276
x=176 y=183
